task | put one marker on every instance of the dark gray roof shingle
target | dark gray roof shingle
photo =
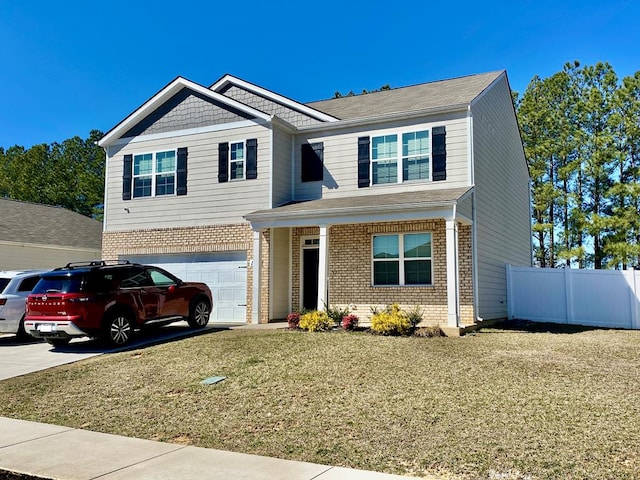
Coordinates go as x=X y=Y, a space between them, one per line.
x=442 y=93
x=47 y=225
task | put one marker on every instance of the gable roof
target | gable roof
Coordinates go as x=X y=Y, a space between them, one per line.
x=228 y=80
x=459 y=91
x=47 y=225
x=163 y=96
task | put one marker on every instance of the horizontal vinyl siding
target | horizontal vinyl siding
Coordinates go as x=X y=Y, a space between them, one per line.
x=207 y=202
x=502 y=198
x=20 y=257
x=282 y=142
x=341 y=159
x=280 y=273
x=465 y=207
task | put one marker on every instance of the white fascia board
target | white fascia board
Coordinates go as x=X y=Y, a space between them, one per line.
x=502 y=74
x=164 y=95
x=273 y=96
x=355 y=122
x=341 y=217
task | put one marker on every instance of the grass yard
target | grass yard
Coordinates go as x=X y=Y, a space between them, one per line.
x=513 y=403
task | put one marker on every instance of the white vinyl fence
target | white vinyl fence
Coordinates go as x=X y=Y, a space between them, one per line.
x=601 y=298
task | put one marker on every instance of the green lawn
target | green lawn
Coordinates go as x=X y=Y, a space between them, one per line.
x=500 y=404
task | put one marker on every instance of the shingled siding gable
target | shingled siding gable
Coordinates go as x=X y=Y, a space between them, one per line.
x=186 y=109
x=268 y=106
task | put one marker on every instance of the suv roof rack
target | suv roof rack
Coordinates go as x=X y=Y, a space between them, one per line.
x=94 y=263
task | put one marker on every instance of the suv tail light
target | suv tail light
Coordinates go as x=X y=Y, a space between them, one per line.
x=3 y=301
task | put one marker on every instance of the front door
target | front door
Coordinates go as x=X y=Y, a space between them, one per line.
x=310 y=257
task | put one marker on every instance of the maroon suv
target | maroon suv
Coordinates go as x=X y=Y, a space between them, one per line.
x=106 y=301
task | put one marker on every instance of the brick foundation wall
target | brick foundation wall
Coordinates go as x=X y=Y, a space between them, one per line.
x=350 y=271
x=203 y=239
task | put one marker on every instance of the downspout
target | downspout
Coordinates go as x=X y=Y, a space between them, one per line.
x=104 y=199
x=474 y=225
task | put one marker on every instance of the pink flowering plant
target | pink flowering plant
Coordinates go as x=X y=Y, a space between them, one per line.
x=349 y=322
x=293 y=319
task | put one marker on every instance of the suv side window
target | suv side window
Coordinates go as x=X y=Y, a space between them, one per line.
x=160 y=279
x=28 y=283
x=135 y=278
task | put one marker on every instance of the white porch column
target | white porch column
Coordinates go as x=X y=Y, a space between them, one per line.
x=453 y=289
x=323 y=266
x=255 y=264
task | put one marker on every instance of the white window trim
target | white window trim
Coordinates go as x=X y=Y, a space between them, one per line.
x=154 y=173
x=399 y=166
x=401 y=260
x=244 y=160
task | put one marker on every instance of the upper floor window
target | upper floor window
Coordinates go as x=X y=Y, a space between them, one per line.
x=154 y=174
x=413 y=156
x=236 y=161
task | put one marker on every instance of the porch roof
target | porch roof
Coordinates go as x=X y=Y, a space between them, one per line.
x=362 y=209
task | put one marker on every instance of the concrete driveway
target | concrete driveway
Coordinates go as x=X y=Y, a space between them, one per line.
x=19 y=358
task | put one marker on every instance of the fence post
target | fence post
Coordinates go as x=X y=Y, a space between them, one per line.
x=568 y=296
x=509 y=293
x=634 y=301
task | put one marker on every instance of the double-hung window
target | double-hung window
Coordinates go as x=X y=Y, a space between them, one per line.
x=391 y=164
x=402 y=259
x=154 y=174
x=236 y=161
x=384 y=159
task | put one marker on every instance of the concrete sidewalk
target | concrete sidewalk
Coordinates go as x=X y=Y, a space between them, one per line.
x=65 y=453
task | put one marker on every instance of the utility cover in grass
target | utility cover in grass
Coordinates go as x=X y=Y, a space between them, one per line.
x=212 y=380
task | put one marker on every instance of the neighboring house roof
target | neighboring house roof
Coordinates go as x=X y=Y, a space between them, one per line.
x=47 y=225
x=443 y=93
x=349 y=207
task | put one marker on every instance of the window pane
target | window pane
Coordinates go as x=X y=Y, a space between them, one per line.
x=385 y=172
x=165 y=184
x=237 y=151
x=142 y=186
x=417 y=272
x=386 y=246
x=237 y=170
x=416 y=168
x=165 y=162
x=386 y=273
x=384 y=147
x=142 y=164
x=417 y=245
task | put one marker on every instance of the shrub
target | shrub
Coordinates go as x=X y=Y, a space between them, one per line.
x=391 y=321
x=349 y=322
x=316 y=321
x=336 y=313
x=415 y=316
x=293 y=319
x=429 y=331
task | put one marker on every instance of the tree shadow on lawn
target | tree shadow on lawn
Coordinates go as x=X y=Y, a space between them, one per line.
x=527 y=326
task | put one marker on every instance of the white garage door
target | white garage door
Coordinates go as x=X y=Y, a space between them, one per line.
x=225 y=274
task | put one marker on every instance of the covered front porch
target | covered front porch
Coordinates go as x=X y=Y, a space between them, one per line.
x=366 y=252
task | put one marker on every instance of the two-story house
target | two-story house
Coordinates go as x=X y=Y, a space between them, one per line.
x=416 y=195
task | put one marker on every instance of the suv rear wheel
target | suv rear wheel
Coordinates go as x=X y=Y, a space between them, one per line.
x=199 y=313
x=118 y=329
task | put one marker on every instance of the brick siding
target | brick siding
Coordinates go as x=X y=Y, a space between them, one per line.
x=350 y=271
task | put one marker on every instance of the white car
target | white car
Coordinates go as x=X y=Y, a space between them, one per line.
x=15 y=286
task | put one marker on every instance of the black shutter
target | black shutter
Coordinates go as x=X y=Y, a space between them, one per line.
x=363 y=162
x=439 y=155
x=181 y=181
x=312 y=162
x=223 y=162
x=252 y=158
x=127 y=177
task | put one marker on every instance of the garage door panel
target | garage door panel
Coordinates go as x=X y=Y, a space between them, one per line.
x=225 y=274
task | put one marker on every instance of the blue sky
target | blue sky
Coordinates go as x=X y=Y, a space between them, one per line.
x=69 y=67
